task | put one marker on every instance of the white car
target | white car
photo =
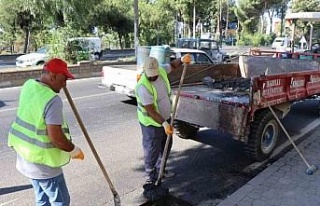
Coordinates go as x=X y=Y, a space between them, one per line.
x=123 y=78
x=280 y=42
x=32 y=59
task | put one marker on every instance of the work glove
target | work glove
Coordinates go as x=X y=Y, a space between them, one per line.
x=77 y=153
x=186 y=59
x=167 y=128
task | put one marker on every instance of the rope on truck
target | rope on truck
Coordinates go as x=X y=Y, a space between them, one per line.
x=209 y=67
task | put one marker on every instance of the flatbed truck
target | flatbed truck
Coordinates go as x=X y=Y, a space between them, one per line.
x=235 y=99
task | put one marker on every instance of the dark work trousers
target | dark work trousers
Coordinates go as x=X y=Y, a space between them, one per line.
x=153 y=142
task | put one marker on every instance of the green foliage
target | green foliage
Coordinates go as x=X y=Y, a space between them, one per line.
x=306 y=6
x=51 y=23
x=256 y=39
x=57 y=45
x=250 y=11
x=269 y=38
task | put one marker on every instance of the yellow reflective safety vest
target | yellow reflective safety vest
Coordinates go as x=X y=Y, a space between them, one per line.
x=143 y=116
x=28 y=134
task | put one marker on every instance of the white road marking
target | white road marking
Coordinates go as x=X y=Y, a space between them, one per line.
x=7 y=203
x=76 y=98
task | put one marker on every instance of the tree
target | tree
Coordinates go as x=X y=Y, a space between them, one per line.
x=248 y=13
x=307 y=6
x=115 y=17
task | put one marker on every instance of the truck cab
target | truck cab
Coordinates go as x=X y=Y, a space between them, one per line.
x=92 y=45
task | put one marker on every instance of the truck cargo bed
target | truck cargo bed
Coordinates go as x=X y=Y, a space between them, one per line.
x=222 y=109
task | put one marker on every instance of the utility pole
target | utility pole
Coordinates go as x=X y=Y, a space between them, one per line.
x=220 y=22
x=194 y=19
x=136 y=27
x=227 y=20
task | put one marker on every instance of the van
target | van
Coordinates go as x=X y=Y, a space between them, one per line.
x=280 y=42
x=92 y=45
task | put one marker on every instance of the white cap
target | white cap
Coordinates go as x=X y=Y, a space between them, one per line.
x=151 y=67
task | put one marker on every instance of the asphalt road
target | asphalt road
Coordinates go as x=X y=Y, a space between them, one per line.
x=6 y=64
x=208 y=168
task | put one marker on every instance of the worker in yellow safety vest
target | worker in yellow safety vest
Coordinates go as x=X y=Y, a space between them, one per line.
x=154 y=109
x=40 y=135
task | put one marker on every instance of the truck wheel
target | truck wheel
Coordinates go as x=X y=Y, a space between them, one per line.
x=263 y=136
x=185 y=130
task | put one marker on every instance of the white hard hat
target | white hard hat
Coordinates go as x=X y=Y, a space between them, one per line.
x=151 y=67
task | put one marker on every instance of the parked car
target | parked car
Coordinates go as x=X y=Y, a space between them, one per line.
x=123 y=78
x=210 y=46
x=33 y=59
x=280 y=42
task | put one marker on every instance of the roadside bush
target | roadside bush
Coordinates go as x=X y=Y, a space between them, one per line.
x=256 y=39
x=269 y=38
x=59 y=47
x=245 y=40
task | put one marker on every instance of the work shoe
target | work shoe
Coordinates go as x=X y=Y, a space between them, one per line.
x=168 y=174
x=162 y=191
x=153 y=192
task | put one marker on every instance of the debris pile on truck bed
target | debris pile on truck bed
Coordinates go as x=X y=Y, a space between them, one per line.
x=235 y=91
x=219 y=103
x=236 y=84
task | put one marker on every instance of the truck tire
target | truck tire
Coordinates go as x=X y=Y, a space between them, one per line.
x=264 y=135
x=185 y=130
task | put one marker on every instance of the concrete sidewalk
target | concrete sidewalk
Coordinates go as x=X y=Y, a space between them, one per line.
x=285 y=182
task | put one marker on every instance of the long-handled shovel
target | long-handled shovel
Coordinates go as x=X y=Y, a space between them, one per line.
x=166 y=148
x=105 y=174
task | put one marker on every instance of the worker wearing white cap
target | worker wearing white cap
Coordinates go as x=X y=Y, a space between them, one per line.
x=154 y=107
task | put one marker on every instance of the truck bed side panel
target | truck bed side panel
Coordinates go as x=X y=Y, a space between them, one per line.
x=199 y=112
x=251 y=66
x=195 y=73
x=282 y=88
x=214 y=110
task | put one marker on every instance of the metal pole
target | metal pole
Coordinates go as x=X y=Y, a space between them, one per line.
x=194 y=19
x=220 y=26
x=292 y=35
x=136 y=27
x=311 y=35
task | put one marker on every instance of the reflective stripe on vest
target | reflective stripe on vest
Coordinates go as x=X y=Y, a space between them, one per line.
x=28 y=134
x=143 y=115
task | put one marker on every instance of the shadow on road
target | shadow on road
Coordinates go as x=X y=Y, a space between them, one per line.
x=216 y=167
x=208 y=172
x=167 y=201
x=131 y=101
x=7 y=190
x=2 y=104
